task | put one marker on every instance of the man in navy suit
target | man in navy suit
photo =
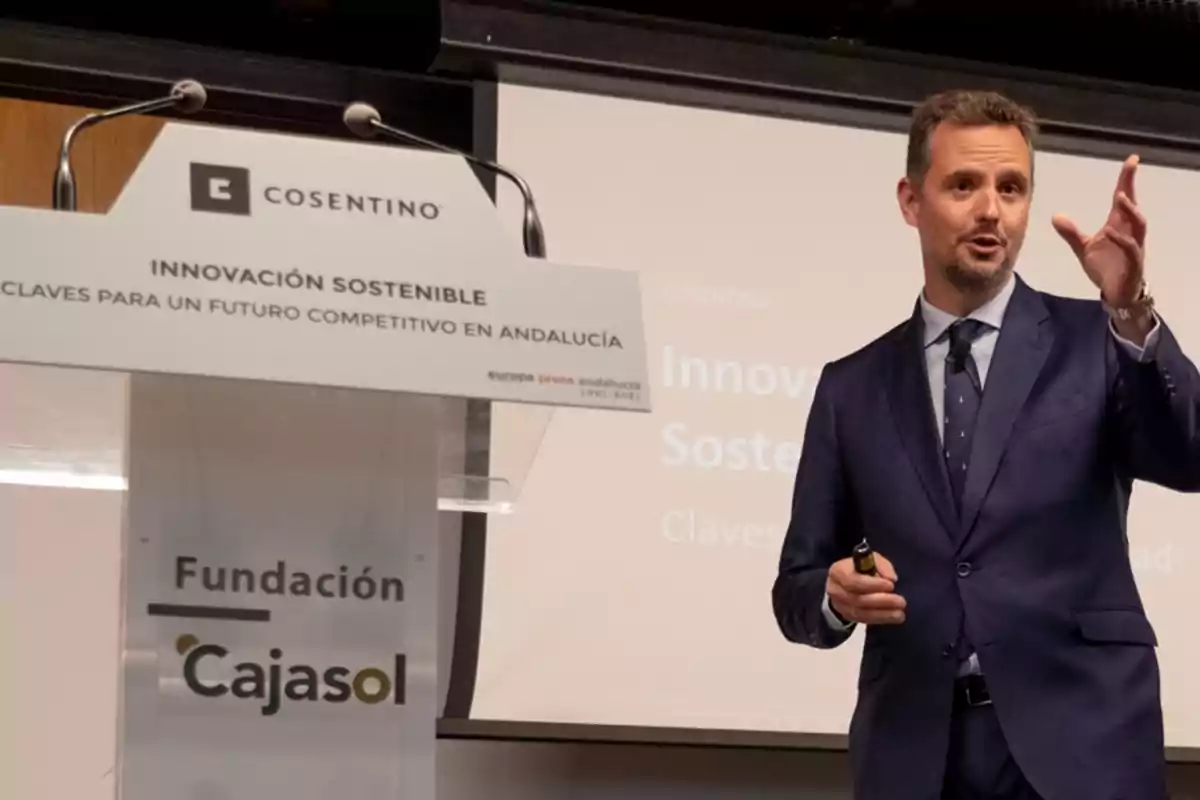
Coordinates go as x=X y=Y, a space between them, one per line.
x=986 y=448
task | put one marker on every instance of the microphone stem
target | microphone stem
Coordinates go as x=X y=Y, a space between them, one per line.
x=532 y=230
x=64 y=180
x=488 y=165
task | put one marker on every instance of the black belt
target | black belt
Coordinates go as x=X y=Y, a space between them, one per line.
x=971 y=691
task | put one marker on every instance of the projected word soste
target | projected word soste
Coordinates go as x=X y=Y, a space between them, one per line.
x=756 y=452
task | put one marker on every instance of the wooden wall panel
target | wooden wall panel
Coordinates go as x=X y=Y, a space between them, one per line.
x=103 y=157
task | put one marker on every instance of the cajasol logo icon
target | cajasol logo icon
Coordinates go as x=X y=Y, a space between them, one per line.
x=274 y=682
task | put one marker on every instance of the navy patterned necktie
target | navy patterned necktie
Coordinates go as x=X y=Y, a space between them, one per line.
x=963 y=393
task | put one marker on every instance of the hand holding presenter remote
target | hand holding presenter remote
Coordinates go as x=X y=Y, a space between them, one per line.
x=862 y=588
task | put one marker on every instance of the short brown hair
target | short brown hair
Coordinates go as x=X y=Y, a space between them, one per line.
x=961 y=107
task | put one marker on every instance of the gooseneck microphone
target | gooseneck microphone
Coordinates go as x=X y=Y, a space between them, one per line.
x=187 y=97
x=365 y=121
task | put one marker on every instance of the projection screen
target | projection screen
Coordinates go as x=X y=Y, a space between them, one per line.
x=633 y=585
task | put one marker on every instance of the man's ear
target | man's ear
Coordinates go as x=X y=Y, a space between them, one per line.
x=907 y=197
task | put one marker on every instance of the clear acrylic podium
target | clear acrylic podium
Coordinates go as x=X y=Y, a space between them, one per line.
x=220 y=547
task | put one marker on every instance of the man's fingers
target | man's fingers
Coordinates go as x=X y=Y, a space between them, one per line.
x=1137 y=220
x=855 y=583
x=1070 y=233
x=878 y=608
x=867 y=599
x=871 y=616
x=1125 y=181
x=881 y=601
x=1132 y=249
x=885 y=568
x=884 y=599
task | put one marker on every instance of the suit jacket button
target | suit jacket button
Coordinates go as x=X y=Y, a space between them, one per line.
x=964 y=569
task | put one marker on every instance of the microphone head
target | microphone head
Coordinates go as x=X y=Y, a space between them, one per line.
x=361 y=119
x=189 y=95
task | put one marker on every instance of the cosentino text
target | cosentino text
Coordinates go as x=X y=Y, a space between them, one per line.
x=352 y=203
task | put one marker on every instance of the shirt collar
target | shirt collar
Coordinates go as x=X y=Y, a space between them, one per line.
x=991 y=313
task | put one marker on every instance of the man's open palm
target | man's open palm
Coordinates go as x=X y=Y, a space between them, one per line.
x=1113 y=257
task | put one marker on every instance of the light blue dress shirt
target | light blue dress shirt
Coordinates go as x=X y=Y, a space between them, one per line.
x=937 y=345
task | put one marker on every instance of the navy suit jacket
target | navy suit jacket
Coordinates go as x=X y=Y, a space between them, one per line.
x=1037 y=567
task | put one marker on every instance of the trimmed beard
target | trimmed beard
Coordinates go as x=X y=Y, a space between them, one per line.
x=970 y=281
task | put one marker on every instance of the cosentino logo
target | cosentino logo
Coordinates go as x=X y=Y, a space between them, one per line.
x=348 y=203
x=223 y=189
x=274 y=681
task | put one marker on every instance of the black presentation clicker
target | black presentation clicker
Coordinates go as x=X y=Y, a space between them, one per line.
x=864 y=559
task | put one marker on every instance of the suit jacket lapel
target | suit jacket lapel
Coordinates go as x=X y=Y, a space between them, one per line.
x=1021 y=350
x=912 y=413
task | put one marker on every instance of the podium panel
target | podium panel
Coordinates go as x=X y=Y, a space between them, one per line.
x=281 y=580
x=230 y=413
x=144 y=515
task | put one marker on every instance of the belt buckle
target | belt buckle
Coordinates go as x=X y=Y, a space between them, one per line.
x=976 y=693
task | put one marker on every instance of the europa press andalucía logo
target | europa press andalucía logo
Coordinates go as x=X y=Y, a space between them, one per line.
x=274 y=682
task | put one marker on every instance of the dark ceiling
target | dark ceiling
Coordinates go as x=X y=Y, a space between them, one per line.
x=1153 y=42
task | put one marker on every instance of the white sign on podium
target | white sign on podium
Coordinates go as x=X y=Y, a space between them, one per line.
x=252 y=255
x=292 y=310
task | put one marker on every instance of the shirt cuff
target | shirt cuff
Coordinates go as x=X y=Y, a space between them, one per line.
x=1145 y=352
x=831 y=618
